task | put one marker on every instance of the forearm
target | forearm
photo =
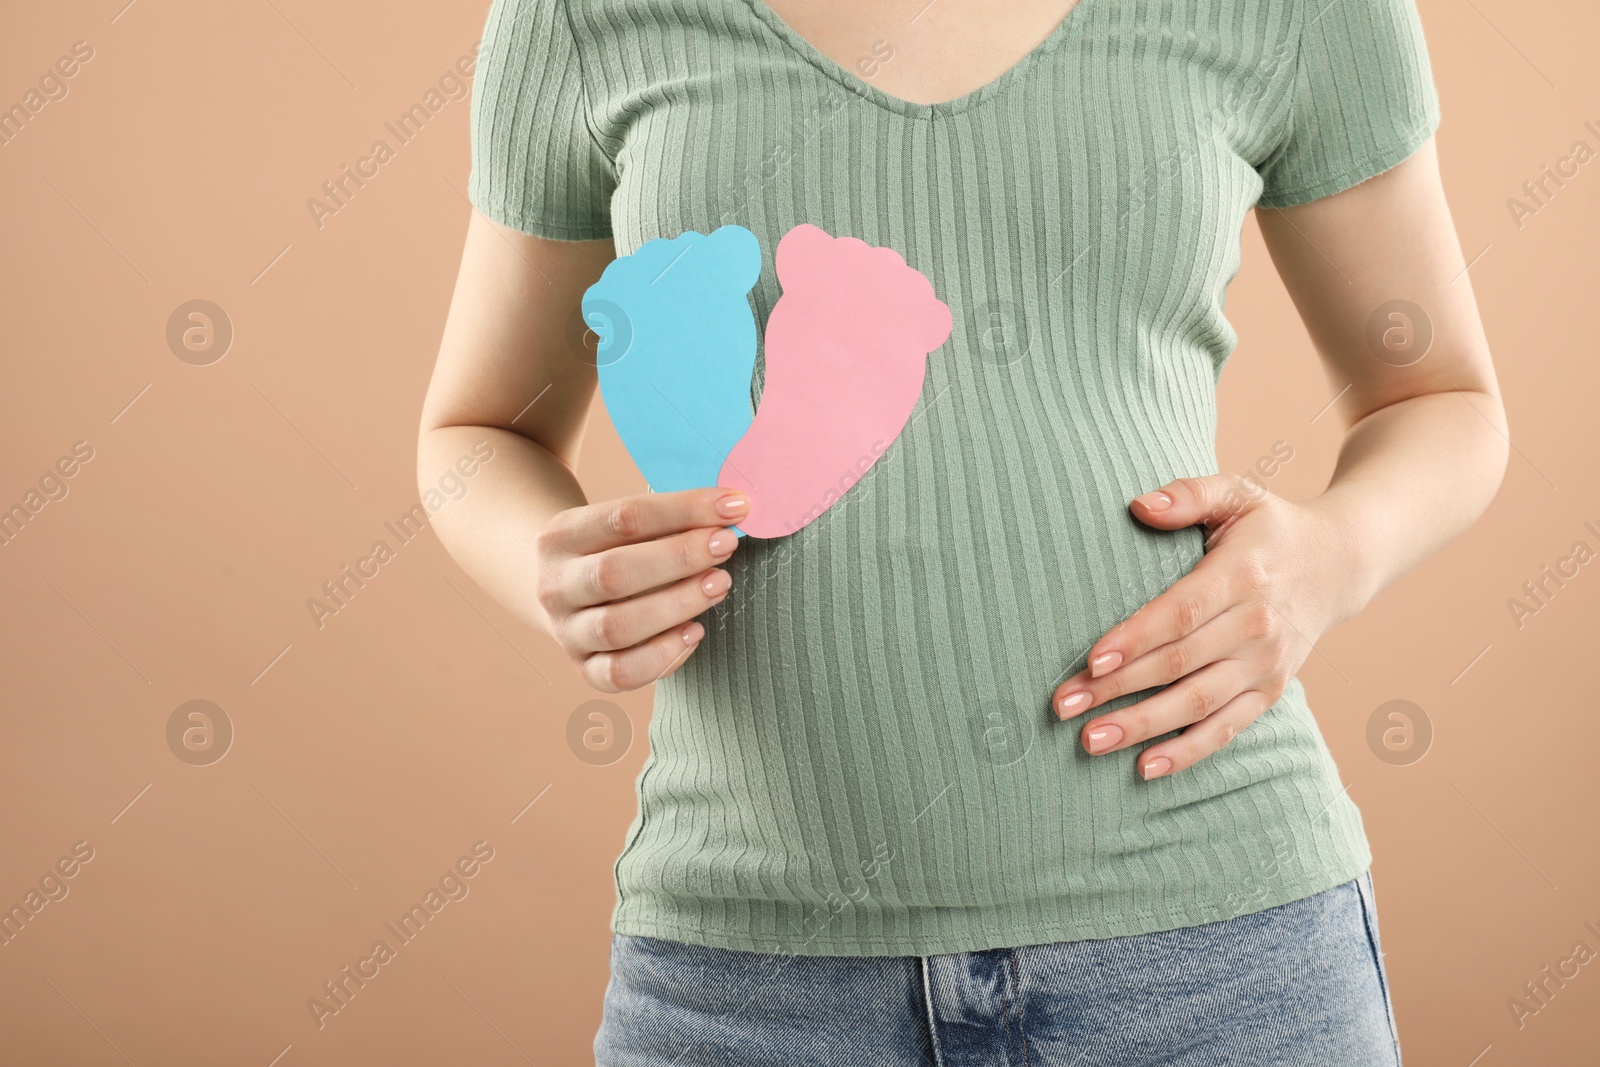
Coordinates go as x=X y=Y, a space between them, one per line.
x=491 y=529
x=1411 y=477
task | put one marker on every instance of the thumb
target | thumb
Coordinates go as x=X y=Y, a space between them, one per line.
x=1212 y=500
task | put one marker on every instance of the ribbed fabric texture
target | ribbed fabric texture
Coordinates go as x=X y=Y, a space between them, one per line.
x=860 y=758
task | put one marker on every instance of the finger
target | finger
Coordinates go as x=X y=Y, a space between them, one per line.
x=1186 y=605
x=672 y=668
x=629 y=570
x=1223 y=636
x=630 y=668
x=1175 y=707
x=1211 y=500
x=625 y=623
x=1206 y=737
x=645 y=517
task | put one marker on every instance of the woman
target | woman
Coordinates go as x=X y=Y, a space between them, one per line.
x=1001 y=759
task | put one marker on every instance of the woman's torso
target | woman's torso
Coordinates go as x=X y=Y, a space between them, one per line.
x=860 y=757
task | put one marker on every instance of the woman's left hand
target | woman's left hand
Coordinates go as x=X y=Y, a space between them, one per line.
x=1228 y=636
x=1424 y=450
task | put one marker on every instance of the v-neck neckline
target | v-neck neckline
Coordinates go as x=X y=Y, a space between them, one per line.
x=899 y=104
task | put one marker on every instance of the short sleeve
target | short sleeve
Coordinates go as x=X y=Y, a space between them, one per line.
x=536 y=165
x=1364 y=99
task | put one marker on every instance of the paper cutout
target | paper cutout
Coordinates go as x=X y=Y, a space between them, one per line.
x=677 y=350
x=846 y=353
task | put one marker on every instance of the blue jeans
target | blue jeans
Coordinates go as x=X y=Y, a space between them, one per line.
x=1299 y=984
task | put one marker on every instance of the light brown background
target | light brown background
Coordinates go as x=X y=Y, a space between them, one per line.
x=373 y=752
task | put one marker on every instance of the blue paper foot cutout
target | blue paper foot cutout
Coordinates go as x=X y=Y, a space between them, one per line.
x=677 y=350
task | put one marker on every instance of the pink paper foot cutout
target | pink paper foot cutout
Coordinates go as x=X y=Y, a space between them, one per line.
x=846 y=351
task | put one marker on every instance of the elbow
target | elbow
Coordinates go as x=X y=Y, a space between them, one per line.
x=1495 y=413
x=425 y=462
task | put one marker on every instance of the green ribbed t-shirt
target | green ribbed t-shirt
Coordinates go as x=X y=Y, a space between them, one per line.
x=860 y=758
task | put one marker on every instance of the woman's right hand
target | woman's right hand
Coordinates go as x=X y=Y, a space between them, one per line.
x=621 y=582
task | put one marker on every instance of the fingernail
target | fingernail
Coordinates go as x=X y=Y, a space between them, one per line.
x=1155 y=768
x=1154 y=501
x=1104 y=663
x=1104 y=737
x=1073 y=703
x=721 y=543
x=716 y=582
x=693 y=632
x=731 y=506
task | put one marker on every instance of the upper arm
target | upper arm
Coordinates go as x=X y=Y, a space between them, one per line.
x=1378 y=276
x=1354 y=215
x=540 y=235
x=514 y=352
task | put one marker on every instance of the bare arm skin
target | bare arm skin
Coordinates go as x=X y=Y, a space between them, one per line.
x=615 y=583
x=1424 y=452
